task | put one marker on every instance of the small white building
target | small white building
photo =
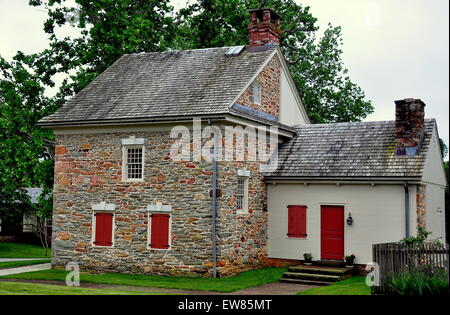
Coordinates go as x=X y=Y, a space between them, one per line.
x=340 y=188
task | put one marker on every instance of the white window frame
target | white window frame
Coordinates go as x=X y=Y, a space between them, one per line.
x=132 y=143
x=103 y=207
x=257 y=86
x=244 y=209
x=158 y=208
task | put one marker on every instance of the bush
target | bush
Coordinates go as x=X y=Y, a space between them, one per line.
x=421 y=282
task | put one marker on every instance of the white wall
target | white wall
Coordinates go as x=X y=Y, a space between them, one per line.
x=290 y=112
x=433 y=171
x=378 y=214
x=435 y=211
x=435 y=181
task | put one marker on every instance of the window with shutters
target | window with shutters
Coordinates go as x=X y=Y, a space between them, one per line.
x=159 y=234
x=103 y=229
x=242 y=195
x=297 y=222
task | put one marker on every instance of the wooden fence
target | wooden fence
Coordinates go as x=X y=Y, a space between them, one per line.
x=393 y=258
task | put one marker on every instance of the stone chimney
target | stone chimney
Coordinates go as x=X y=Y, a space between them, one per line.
x=409 y=126
x=264 y=27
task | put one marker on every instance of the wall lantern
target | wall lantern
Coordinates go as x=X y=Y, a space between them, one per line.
x=349 y=219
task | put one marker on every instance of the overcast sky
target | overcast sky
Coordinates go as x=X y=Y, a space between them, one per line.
x=394 y=49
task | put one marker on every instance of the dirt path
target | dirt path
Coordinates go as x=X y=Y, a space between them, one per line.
x=277 y=288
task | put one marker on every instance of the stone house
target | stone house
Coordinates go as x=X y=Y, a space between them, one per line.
x=123 y=203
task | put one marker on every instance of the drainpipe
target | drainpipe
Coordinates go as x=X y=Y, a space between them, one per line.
x=406 y=185
x=214 y=204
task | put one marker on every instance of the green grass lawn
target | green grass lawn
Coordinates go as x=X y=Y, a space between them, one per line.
x=230 y=284
x=17 y=288
x=13 y=264
x=17 y=250
x=352 y=286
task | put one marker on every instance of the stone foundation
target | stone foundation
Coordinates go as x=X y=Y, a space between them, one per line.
x=282 y=263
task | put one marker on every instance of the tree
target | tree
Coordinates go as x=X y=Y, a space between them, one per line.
x=108 y=30
x=444 y=148
x=26 y=150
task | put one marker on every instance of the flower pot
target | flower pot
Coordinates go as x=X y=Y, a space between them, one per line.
x=349 y=263
x=307 y=263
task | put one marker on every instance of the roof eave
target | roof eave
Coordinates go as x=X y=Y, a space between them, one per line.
x=231 y=117
x=337 y=179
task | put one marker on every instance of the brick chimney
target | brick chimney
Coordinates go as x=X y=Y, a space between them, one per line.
x=409 y=126
x=264 y=27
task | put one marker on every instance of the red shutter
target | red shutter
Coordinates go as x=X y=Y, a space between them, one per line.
x=160 y=231
x=103 y=229
x=297 y=221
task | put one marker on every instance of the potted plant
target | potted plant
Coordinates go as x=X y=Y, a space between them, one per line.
x=349 y=260
x=308 y=259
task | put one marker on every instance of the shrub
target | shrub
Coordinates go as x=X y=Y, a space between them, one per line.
x=420 y=239
x=425 y=281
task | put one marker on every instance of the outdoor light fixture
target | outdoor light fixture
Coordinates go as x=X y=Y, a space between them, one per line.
x=349 y=219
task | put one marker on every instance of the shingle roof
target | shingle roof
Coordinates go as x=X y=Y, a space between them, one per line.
x=363 y=149
x=164 y=84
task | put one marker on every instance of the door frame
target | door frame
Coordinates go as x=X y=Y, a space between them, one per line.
x=331 y=204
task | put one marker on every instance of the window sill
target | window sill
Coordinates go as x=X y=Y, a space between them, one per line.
x=133 y=180
x=102 y=246
x=158 y=249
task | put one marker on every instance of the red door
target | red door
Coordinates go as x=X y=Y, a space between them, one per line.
x=332 y=232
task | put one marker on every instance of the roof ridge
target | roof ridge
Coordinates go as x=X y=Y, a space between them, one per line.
x=178 y=50
x=353 y=123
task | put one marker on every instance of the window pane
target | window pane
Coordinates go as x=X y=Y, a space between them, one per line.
x=240 y=194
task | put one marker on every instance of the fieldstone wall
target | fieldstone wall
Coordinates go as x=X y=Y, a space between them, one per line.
x=269 y=79
x=88 y=171
x=242 y=238
x=421 y=205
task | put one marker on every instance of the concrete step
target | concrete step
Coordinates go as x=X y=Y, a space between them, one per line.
x=310 y=276
x=307 y=282
x=334 y=271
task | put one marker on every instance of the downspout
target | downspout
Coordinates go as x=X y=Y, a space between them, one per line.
x=214 y=205
x=406 y=185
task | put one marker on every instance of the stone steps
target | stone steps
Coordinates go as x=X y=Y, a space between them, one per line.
x=307 y=282
x=316 y=275
x=323 y=271
x=311 y=276
x=330 y=263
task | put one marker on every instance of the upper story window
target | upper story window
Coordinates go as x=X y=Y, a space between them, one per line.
x=242 y=191
x=256 y=88
x=134 y=165
x=133 y=159
x=242 y=195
